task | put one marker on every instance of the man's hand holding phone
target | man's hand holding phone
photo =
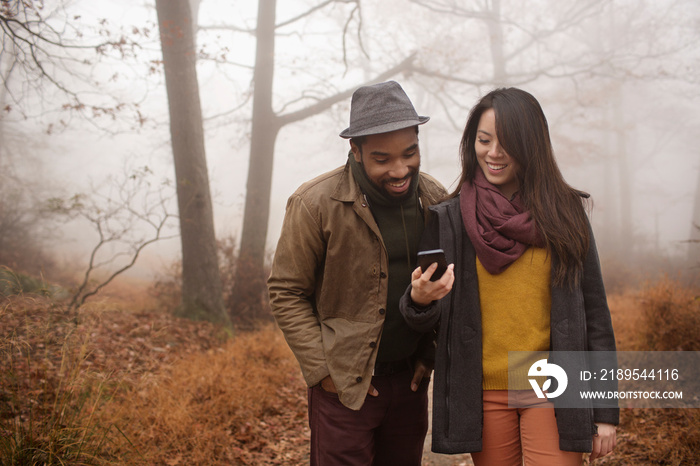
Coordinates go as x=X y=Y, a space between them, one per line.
x=424 y=287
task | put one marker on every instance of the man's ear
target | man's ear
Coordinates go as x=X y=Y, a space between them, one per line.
x=356 y=151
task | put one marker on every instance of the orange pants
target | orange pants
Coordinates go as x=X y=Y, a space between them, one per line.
x=516 y=436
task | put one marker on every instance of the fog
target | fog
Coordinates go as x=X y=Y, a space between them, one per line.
x=619 y=82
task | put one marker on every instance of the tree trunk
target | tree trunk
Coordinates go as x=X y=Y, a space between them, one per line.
x=194 y=11
x=625 y=180
x=247 y=300
x=694 y=245
x=495 y=26
x=201 y=282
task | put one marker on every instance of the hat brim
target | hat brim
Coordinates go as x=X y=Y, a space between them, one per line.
x=350 y=132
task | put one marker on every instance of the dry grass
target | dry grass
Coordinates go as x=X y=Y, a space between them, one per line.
x=217 y=407
x=657 y=436
x=124 y=382
x=119 y=384
x=48 y=395
x=627 y=319
x=671 y=317
x=664 y=316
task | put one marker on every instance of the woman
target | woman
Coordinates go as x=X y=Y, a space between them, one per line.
x=526 y=277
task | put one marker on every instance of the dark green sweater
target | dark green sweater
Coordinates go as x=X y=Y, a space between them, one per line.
x=401 y=226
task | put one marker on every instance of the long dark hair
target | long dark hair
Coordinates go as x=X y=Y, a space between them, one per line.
x=556 y=208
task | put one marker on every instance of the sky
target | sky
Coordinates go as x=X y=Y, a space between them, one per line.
x=660 y=109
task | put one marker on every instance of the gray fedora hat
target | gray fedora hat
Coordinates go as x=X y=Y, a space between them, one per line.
x=380 y=108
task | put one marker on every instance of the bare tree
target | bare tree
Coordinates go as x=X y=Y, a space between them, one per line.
x=21 y=223
x=694 y=244
x=522 y=46
x=628 y=38
x=588 y=49
x=54 y=59
x=20 y=243
x=515 y=51
x=249 y=286
x=201 y=283
x=128 y=215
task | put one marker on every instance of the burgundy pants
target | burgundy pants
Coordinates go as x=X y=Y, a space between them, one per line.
x=388 y=430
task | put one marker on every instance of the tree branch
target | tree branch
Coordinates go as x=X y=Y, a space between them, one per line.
x=46 y=55
x=116 y=216
x=224 y=27
x=324 y=104
x=437 y=74
x=310 y=11
x=135 y=256
x=452 y=10
x=43 y=38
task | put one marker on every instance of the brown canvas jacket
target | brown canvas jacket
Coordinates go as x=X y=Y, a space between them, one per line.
x=328 y=285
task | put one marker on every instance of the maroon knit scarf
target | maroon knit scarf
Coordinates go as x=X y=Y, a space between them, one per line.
x=500 y=229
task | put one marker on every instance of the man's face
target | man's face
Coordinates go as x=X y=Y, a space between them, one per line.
x=390 y=160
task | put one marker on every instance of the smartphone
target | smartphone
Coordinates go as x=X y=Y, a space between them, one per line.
x=426 y=258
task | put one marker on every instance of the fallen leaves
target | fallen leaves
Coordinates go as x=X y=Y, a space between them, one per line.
x=132 y=353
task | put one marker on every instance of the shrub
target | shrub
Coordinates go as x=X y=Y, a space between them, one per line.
x=47 y=401
x=671 y=317
x=167 y=290
x=15 y=283
x=663 y=316
x=212 y=407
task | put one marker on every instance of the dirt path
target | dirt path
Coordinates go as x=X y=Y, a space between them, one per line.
x=435 y=459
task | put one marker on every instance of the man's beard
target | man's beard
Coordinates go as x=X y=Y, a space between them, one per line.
x=385 y=192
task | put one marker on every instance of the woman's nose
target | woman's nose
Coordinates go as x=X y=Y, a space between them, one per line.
x=495 y=150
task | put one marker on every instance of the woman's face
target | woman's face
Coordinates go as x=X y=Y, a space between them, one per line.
x=499 y=168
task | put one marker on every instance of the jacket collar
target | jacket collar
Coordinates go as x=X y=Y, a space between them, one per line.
x=347 y=189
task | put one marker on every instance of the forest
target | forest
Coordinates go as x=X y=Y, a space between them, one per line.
x=147 y=150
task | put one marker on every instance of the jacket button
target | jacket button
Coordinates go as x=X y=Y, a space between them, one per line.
x=382 y=311
x=373 y=344
x=382 y=274
x=359 y=379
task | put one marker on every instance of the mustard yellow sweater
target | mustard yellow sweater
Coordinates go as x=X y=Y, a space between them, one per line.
x=515 y=307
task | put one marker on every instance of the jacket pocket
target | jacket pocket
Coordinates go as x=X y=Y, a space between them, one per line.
x=562 y=327
x=467 y=333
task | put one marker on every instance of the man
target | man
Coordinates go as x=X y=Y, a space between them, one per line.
x=345 y=256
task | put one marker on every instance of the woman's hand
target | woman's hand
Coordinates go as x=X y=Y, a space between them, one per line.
x=604 y=441
x=421 y=371
x=423 y=291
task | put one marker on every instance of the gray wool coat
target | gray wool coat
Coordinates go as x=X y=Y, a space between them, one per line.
x=580 y=320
